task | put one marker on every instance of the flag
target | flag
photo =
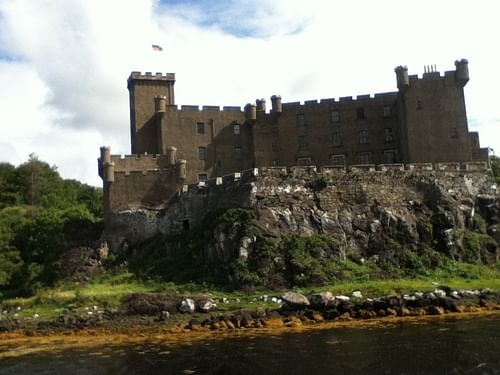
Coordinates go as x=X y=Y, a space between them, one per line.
x=156 y=47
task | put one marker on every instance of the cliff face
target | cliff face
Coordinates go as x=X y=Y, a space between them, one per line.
x=370 y=214
x=366 y=210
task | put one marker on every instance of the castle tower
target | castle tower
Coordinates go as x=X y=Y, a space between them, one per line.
x=433 y=117
x=148 y=94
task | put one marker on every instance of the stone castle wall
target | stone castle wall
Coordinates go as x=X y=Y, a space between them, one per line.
x=307 y=200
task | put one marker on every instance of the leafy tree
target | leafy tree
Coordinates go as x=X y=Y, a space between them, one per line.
x=9 y=195
x=39 y=183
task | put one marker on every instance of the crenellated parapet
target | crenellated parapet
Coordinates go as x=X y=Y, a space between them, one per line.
x=149 y=76
x=311 y=173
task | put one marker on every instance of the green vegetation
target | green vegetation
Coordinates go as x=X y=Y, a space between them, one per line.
x=229 y=254
x=107 y=291
x=39 y=214
x=495 y=167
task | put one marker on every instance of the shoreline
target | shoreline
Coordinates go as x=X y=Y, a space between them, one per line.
x=22 y=342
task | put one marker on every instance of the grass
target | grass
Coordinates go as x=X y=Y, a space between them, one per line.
x=107 y=291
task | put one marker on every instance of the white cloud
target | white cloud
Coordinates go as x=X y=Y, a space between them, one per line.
x=65 y=62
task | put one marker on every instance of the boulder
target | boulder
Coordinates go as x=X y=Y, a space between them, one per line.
x=149 y=303
x=187 y=306
x=321 y=300
x=205 y=305
x=295 y=300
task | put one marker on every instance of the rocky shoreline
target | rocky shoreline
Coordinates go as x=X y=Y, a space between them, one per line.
x=149 y=313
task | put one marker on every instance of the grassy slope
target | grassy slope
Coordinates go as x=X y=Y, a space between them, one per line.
x=107 y=291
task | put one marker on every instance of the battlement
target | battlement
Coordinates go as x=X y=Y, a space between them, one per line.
x=342 y=99
x=310 y=173
x=152 y=77
x=204 y=108
x=139 y=162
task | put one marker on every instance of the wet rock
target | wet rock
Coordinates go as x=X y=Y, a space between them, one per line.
x=295 y=300
x=435 y=310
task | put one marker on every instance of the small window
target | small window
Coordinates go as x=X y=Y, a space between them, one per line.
x=338 y=159
x=337 y=139
x=302 y=143
x=419 y=105
x=275 y=162
x=301 y=120
x=389 y=134
x=454 y=132
x=364 y=158
x=335 y=116
x=236 y=129
x=185 y=224
x=237 y=152
x=274 y=146
x=202 y=177
x=387 y=111
x=360 y=113
x=363 y=136
x=200 y=128
x=304 y=162
x=390 y=156
x=202 y=153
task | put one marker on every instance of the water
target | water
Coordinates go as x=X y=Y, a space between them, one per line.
x=465 y=346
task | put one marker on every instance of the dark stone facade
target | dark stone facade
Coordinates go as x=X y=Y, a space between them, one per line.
x=423 y=122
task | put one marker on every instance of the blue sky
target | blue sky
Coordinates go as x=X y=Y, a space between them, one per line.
x=64 y=63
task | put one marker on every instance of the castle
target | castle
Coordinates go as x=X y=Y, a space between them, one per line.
x=424 y=121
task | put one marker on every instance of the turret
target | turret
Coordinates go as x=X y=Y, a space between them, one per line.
x=276 y=104
x=462 y=71
x=171 y=155
x=182 y=169
x=261 y=105
x=402 y=77
x=250 y=112
x=106 y=167
x=160 y=103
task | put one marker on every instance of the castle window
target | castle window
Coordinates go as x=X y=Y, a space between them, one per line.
x=364 y=158
x=338 y=159
x=202 y=153
x=387 y=111
x=335 y=116
x=337 y=139
x=363 y=136
x=274 y=146
x=200 y=128
x=202 y=177
x=419 y=105
x=302 y=143
x=389 y=134
x=301 y=120
x=304 y=162
x=236 y=129
x=237 y=152
x=390 y=156
x=360 y=113
x=454 y=132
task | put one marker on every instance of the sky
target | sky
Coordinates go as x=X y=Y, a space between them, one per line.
x=64 y=63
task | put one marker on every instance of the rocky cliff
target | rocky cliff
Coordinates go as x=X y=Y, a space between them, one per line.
x=391 y=215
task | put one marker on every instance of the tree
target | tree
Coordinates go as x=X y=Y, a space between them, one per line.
x=9 y=194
